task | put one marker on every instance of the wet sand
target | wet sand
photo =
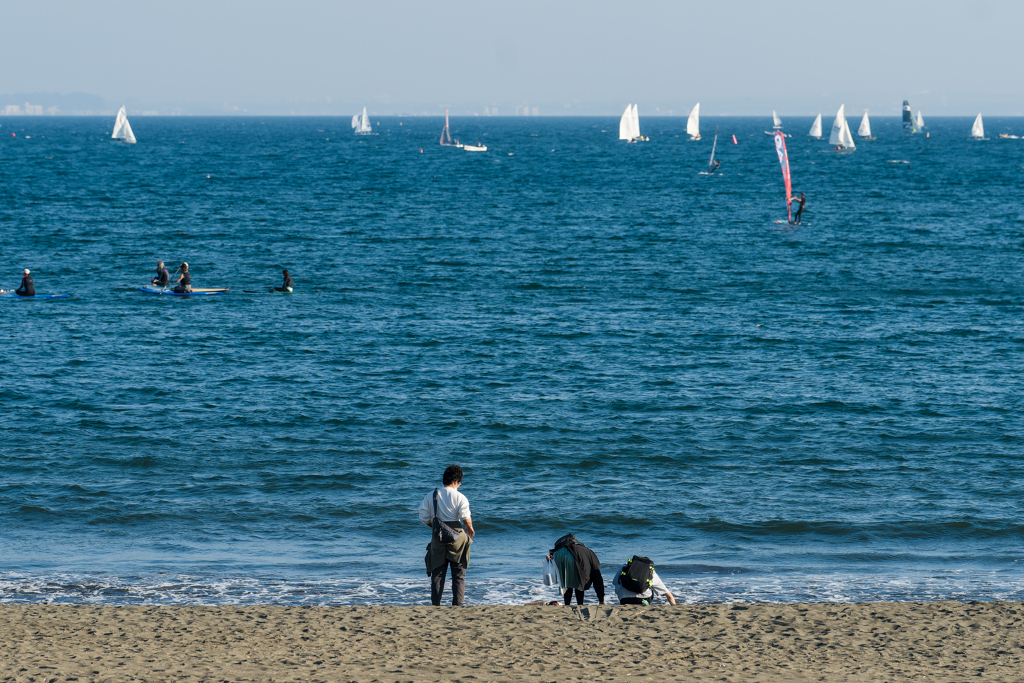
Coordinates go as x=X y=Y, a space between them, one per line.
x=944 y=641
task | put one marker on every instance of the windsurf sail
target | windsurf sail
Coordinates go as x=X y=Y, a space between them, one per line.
x=780 y=148
x=734 y=139
x=815 y=131
x=711 y=162
x=776 y=121
x=626 y=124
x=123 y=129
x=978 y=129
x=446 y=133
x=865 y=127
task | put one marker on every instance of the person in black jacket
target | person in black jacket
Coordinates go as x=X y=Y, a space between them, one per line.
x=28 y=287
x=578 y=569
x=287 y=286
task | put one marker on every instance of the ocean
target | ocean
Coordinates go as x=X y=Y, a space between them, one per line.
x=607 y=342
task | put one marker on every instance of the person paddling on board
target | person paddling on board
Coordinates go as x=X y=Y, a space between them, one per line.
x=184 y=281
x=800 y=211
x=162 y=276
x=28 y=287
x=287 y=286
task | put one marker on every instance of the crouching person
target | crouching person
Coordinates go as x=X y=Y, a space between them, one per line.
x=637 y=583
x=578 y=569
x=446 y=511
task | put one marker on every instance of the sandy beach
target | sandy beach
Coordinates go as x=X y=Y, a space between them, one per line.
x=796 y=642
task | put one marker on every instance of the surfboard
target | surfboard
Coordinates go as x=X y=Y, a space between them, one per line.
x=171 y=292
x=37 y=296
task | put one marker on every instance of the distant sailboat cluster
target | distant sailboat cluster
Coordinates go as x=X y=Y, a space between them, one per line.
x=361 y=124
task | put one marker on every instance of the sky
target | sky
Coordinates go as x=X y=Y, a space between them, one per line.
x=569 y=57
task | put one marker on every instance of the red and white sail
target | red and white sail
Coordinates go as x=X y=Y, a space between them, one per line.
x=780 y=148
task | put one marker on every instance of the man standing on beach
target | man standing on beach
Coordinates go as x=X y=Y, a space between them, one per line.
x=452 y=508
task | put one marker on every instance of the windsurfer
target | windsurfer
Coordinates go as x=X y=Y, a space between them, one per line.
x=800 y=211
x=716 y=166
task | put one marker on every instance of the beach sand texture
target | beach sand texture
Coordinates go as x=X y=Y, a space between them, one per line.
x=945 y=641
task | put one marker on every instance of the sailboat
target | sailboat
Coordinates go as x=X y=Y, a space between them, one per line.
x=693 y=123
x=361 y=124
x=865 y=128
x=841 y=137
x=446 y=134
x=978 y=129
x=920 y=120
x=776 y=121
x=629 y=124
x=908 y=117
x=711 y=161
x=815 y=131
x=123 y=129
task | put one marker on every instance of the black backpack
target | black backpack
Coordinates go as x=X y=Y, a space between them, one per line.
x=565 y=542
x=637 y=574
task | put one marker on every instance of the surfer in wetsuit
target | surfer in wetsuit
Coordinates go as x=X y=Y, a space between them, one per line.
x=717 y=164
x=287 y=286
x=184 y=281
x=28 y=287
x=800 y=211
x=162 y=276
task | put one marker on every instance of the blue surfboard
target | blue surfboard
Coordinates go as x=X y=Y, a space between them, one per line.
x=171 y=292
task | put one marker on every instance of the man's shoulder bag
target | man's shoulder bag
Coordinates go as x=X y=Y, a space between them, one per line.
x=444 y=533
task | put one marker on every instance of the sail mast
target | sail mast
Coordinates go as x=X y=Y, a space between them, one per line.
x=711 y=162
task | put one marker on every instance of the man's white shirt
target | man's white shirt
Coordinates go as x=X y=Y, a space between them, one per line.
x=451 y=506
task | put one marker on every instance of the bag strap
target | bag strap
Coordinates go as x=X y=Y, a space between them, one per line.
x=436 y=493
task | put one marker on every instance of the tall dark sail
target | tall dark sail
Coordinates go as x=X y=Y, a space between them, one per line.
x=908 y=119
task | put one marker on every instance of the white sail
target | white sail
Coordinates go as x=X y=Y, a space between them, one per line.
x=776 y=121
x=123 y=129
x=865 y=127
x=362 y=123
x=693 y=123
x=128 y=135
x=634 y=120
x=978 y=129
x=920 y=119
x=815 y=131
x=836 y=137
x=711 y=161
x=626 y=124
x=847 y=137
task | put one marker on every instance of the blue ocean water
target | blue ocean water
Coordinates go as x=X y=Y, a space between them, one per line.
x=607 y=342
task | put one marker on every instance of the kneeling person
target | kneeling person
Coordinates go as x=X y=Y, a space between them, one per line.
x=637 y=583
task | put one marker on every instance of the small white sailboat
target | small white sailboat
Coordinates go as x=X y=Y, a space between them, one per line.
x=123 y=129
x=920 y=120
x=978 y=129
x=626 y=124
x=693 y=123
x=864 y=131
x=629 y=124
x=474 y=148
x=841 y=137
x=361 y=124
x=446 y=134
x=776 y=121
x=815 y=131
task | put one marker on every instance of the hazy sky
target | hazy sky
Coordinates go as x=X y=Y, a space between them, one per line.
x=568 y=57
